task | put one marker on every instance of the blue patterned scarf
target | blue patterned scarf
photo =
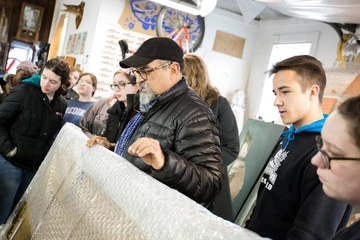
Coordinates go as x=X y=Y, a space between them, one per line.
x=131 y=127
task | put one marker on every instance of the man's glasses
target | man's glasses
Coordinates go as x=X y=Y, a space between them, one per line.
x=85 y=82
x=325 y=157
x=120 y=85
x=144 y=73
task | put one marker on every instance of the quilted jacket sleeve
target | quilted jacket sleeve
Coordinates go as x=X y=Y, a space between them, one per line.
x=9 y=112
x=194 y=167
x=87 y=121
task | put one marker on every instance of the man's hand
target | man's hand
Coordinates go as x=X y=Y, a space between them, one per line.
x=149 y=150
x=99 y=140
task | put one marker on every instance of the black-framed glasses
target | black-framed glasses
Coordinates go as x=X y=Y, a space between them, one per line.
x=144 y=73
x=120 y=85
x=325 y=157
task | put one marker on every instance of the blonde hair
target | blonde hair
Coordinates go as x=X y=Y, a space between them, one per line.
x=198 y=79
x=75 y=69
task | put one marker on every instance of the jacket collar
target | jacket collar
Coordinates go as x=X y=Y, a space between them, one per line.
x=173 y=92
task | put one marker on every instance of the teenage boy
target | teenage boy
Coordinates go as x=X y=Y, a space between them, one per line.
x=291 y=203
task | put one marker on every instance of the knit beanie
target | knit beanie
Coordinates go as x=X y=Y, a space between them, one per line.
x=27 y=66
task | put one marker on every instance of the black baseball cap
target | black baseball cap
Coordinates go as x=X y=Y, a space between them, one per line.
x=154 y=48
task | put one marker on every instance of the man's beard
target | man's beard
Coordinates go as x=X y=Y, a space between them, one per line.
x=145 y=97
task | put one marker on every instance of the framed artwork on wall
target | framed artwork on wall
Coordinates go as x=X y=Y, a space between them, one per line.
x=29 y=23
x=4 y=48
x=5 y=18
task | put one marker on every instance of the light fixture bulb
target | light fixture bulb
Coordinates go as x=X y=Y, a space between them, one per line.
x=206 y=6
x=179 y=5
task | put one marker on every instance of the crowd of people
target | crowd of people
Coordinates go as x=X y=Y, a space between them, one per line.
x=166 y=118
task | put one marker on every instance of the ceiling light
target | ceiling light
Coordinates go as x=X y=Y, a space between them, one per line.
x=180 y=5
x=206 y=6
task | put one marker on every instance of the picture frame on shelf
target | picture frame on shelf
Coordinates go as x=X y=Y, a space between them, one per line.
x=29 y=23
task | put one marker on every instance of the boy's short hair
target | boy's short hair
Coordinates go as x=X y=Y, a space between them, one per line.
x=308 y=68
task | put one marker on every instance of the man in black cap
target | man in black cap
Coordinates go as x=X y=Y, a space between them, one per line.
x=174 y=137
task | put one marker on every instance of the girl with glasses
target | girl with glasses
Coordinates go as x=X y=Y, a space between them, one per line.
x=338 y=159
x=105 y=129
x=86 y=87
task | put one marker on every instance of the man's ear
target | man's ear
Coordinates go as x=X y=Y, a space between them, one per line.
x=314 y=92
x=174 y=70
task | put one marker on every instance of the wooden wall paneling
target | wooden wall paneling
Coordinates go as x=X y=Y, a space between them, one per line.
x=48 y=5
x=354 y=88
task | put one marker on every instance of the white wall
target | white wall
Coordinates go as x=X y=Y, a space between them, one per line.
x=88 y=24
x=325 y=52
x=228 y=73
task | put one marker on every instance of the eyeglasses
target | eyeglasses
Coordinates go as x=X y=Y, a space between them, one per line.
x=325 y=157
x=85 y=82
x=120 y=86
x=144 y=73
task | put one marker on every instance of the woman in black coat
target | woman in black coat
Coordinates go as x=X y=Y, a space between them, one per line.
x=30 y=117
x=198 y=79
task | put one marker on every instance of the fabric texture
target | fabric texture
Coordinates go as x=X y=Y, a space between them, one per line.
x=29 y=121
x=3 y=92
x=230 y=147
x=131 y=127
x=291 y=203
x=162 y=48
x=71 y=95
x=27 y=66
x=13 y=184
x=189 y=137
x=6 y=85
x=349 y=233
x=93 y=122
x=75 y=111
x=119 y=116
x=290 y=134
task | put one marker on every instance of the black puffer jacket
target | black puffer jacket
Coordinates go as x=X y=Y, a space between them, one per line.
x=189 y=136
x=29 y=122
x=119 y=116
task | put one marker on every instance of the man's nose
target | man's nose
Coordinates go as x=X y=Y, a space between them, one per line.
x=278 y=101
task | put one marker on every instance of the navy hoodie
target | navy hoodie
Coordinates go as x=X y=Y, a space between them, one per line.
x=291 y=203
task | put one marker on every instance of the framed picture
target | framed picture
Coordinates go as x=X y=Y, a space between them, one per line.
x=29 y=23
x=5 y=19
x=257 y=140
x=4 y=48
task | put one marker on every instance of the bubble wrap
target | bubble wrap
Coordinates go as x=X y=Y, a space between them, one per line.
x=92 y=193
